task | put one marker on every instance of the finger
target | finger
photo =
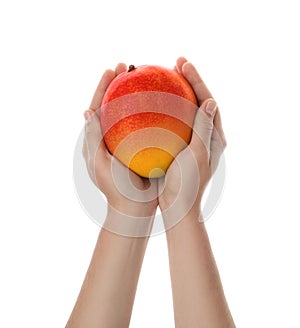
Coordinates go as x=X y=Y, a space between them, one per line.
x=106 y=79
x=219 y=127
x=84 y=149
x=93 y=137
x=121 y=68
x=218 y=142
x=88 y=113
x=200 y=89
x=203 y=129
x=216 y=150
x=179 y=63
x=210 y=107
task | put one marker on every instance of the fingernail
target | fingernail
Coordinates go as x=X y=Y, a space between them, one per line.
x=88 y=116
x=211 y=107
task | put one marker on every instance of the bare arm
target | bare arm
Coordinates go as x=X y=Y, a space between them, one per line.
x=107 y=294
x=198 y=296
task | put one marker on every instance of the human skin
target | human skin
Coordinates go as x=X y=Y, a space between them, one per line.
x=107 y=294
x=198 y=296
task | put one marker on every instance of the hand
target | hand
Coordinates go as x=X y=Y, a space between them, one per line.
x=181 y=190
x=112 y=276
x=126 y=192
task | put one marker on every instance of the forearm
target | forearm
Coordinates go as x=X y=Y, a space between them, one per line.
x=198 y=295
x=107 y=295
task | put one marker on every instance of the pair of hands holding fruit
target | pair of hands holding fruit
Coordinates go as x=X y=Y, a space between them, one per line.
x=107 y=295
x=181 y=189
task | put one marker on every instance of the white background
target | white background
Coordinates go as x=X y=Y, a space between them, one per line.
x=52 y=56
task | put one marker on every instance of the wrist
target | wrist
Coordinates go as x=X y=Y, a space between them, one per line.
x=130 y=219
x=132 y=208
x=184 y=227
x=175 y=213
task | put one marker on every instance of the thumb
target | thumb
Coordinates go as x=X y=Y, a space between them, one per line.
x=93 y=139
x=203 y=127
x=217 y=147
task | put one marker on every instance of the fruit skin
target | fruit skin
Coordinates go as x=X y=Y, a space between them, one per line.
x=146 y=117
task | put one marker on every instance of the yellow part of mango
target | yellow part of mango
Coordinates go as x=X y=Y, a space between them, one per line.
x=151 y=162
